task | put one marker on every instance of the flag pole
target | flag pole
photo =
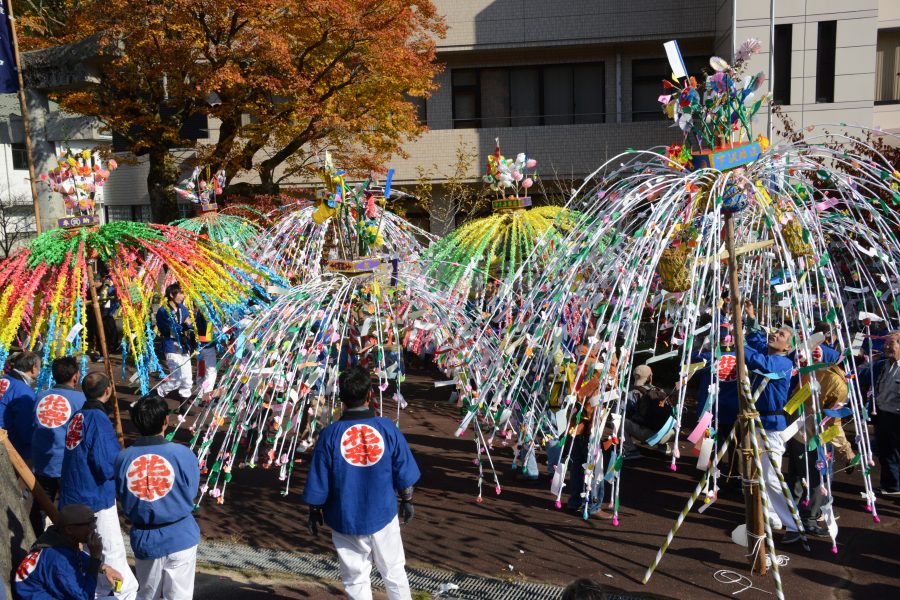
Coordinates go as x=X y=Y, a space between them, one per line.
x=25 y=121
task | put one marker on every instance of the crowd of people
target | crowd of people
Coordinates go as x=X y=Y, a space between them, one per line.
x=72 y=447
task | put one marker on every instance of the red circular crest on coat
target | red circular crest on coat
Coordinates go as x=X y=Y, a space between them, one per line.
x=4 y=385
x=150 y=477
x=27 y=566
x=53 y=411
x=75 y=431
x=728 y=368
x=362 y=445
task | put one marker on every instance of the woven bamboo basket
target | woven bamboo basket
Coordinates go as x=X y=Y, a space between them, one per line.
x=793 y=237
x=674 y=268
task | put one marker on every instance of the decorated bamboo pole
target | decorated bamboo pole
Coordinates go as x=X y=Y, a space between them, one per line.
x=764 y=498
x=687 y=507
x=101 y=333
x=752 y=501
x=24 y=472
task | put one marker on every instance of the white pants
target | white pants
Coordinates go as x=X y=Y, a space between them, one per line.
x=114 y=555
x=208 y=358
x=172 y=576
x=779 y=511
x=181 y=376
x=385 y=548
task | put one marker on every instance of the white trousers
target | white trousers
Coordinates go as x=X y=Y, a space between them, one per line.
x=172 y=576
x=114 y=555
x=208 y=358
x=385 y=548
x=779 y=511
x=181 y=375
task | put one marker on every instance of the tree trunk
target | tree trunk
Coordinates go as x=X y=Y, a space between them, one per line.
x=20 y=538
x=160 y=180
x=267 y=183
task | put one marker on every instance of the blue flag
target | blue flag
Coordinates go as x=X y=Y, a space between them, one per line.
x=9 y=79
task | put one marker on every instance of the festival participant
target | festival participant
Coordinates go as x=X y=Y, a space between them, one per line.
x=648 y=411
x=583 y=425
x=359 y=465
x=156 y=482
x=17 y=401
x=583 y=589
x=206 y=361
x=88 y=477
x=726 y=406
x=53 y=409
x=768 y=354
x=887 y=421
x=173 y=320
x=56 y=567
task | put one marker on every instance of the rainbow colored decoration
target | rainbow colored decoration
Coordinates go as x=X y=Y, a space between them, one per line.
x=233 y=231
x=45 y=294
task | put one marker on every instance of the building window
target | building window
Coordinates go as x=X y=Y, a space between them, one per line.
x=887 y=67
x=118 y=213
x=186 y=210
x=528 y=96
x=781 y=84
x=19 y=157
x=825 y=54
x=646 y=84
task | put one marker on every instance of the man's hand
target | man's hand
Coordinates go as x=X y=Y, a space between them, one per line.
x=407 y=511
x=95 y=546
x=749 y=309
x=112 y=576
x=315 y=519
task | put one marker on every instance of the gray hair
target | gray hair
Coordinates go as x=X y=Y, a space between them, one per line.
x=26 y=361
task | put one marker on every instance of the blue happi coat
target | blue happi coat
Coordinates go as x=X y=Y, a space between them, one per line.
x=56 y=570
x=53 y=409
x=775 y=395
x=89 y=461
x=156 y=482
x=359 y=464
x=17 y=412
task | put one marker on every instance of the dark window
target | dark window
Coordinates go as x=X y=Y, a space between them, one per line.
x=646 y=84
x=887 y=67
x=825 y=53
x=781 y=86
x=118 y=213
x=526 y=96
x=466 y=109
x=19 y=157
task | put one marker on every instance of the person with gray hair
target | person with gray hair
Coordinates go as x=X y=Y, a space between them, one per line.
x=767 y=354
x=17 y=401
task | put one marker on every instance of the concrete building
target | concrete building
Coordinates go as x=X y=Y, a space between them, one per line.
x=573 y=84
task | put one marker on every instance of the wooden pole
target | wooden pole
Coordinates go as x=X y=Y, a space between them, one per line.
x=752 y=499
x=101 y=333
x=25 y=122
x=24 y=472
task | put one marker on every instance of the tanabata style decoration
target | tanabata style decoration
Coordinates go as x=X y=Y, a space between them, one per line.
x=200 y=189
x=282 y=389
x=45 y=288
x=473 y=259
x=344 y=223
x=77 y=178
x=639 y=279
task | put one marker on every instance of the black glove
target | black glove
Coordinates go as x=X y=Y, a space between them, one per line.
x=315 y=519
x=407 y=511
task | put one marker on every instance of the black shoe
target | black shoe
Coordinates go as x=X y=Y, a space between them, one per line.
x=816 y=531
x=791 y=537
x=890 y=493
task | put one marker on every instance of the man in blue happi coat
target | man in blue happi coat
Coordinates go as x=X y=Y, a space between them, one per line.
x=89 y=477
x=56 y=569
x=17 y=401
x=359 y=467
x=53 y=409
x=156 y=482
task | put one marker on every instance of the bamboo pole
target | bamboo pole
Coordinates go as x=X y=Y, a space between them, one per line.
x=25 y=121
x=752 y=499
x=101 y=333
x=22 y=470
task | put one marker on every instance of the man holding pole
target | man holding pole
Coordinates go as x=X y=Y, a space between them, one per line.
x=768 y=354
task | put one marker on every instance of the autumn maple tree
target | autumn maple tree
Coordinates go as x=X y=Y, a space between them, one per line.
x=285 y=79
